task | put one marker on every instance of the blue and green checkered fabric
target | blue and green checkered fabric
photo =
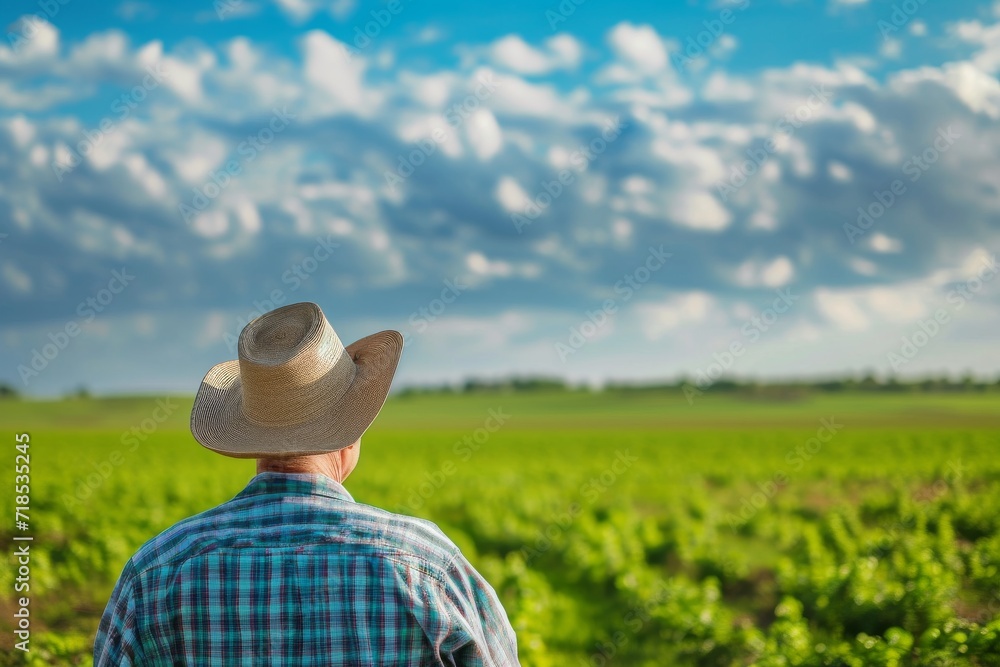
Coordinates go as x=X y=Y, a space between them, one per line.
x=292 y=571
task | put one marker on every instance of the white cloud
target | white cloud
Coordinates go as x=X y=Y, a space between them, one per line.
x=33 y=39
x=429 y=35
x=242 y=54
x=450 y=332
x=566 y=49
x=32 y=100
x=513 y=53
x=764 y=218
x=146 y=176
x=21 y=130
x=841 y=310
x=986 y=37
x=195 y=155
x=663 y=92
x=640 y=45
x=516 y=97
x=483 y=133
x=213 y=223
x=621 y=229
x=861 y=117
x=341 y=9
x=248 y=217
x=891 y=48
x=898 y=303
x=861 y=308
x=659 y=319
x=839 y=171
x=617 y=73
x=299 y=11
x=683 y=146
x=478 y=263
x=511 y=195
x=149 y=54
x=39 y=156
x=788 y=87
x=863 y=266
x=184 y=78
x=979 y=91
x=698 y=210
x=334 y=78
x=637 y=185
x=797 y=151
x=776 y=273
x=724 y=46
x=431 y=90
x=722 y=88
x=104 y=48
x=974 y=264
x=879 y=242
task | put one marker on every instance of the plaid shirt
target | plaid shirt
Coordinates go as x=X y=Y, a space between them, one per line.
x=293 y=572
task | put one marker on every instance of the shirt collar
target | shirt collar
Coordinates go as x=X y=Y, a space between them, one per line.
x=302 y=484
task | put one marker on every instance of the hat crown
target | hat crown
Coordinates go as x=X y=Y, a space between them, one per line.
x=292 y=364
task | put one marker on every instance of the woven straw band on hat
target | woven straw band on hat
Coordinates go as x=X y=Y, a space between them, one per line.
x=295 y=388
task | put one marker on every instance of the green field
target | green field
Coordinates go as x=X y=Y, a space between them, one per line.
x=618 y=529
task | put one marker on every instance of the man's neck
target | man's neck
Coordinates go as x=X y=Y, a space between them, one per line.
x=315 y=465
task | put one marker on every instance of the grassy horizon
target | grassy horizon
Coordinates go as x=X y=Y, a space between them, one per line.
x=556 y=409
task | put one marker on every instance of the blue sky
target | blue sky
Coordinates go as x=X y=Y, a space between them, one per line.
x=516 y=187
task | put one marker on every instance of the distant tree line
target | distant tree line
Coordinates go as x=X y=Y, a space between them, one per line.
x=751 y=387
x=867 y=383
x=512 y=384
x=9 y=392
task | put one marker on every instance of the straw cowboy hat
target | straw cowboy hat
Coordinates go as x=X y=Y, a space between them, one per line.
x=295 y=389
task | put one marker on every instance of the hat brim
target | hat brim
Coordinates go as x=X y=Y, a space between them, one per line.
x=219 y=423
